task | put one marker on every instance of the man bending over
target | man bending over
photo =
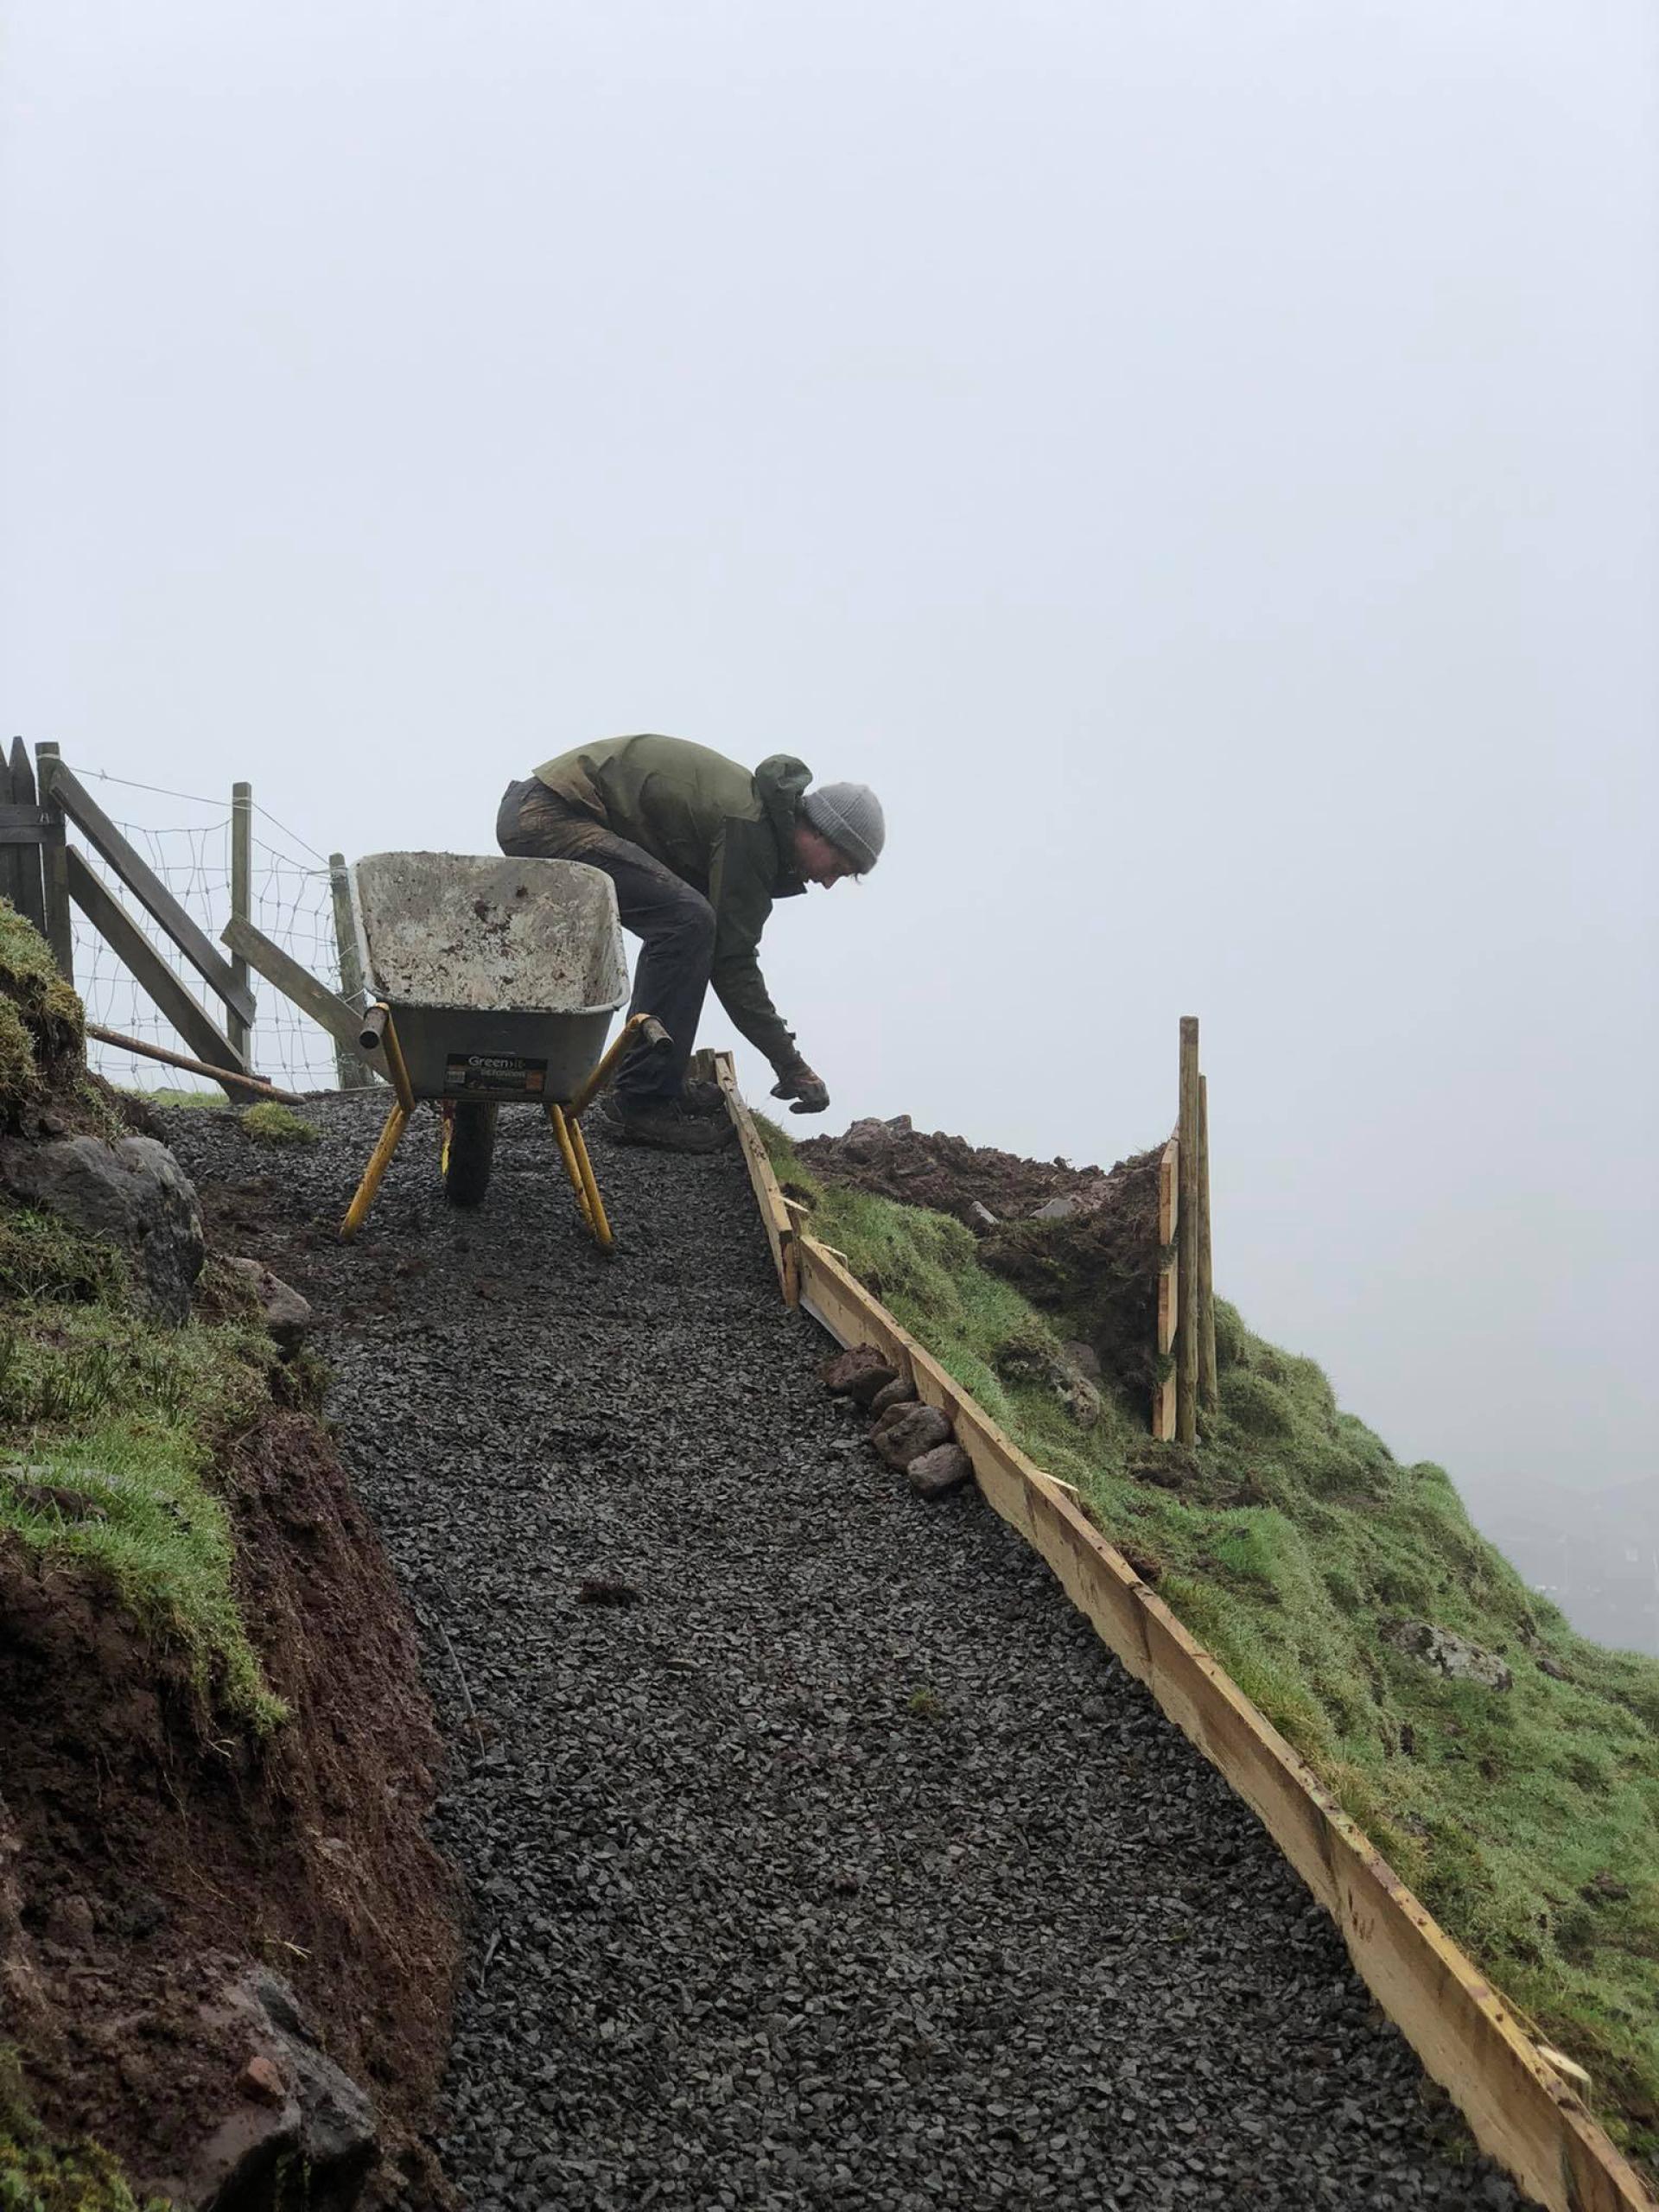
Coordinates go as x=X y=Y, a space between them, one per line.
x=698 y=848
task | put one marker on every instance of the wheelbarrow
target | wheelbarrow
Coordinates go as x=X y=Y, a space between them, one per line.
x=490 y=983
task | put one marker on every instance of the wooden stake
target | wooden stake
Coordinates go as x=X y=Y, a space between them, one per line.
x=1163 y=1396
x=1209 y=1382
x=1186 y=1331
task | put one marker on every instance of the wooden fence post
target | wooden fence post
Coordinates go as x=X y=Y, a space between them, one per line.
x=1187 y=1332
x=1208 y=1382
x=348 y=1067
x=20 y=852
x=54 y=872
x=241 y=1032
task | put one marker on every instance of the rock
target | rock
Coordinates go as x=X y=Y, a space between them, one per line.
x=898 y=1392
x=260 y=2079
x=908 y=1431
x=1058 y=1209
x=980 y=1215
x=1449 y=1654
x=889 y=1415
x=1083 y=1357
x=287 y=1315
x=1025 y=1359
x=937 y=1472
x=859 y=1373
x=1554 y=1668
x=132 y=1194
x=297 y=2118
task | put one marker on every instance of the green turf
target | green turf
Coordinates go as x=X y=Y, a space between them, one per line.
x=164 y=1095
x=271 y=1123
x=1528 y=1820
x=109 y=1426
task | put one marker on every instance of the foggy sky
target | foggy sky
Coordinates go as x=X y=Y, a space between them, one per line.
x=1196 y=459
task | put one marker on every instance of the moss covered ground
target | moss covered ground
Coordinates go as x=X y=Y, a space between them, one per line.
x=110 y=1423
x=271 y=1122
x=1526 y=1819
x=108 y=1428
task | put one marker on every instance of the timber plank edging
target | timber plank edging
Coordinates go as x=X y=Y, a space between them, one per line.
x=1520 y=2110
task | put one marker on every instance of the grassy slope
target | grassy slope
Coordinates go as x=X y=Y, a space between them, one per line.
x=1526 y=1820
x=109 y=1424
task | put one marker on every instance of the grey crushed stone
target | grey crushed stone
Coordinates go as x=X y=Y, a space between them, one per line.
x=846 y=1868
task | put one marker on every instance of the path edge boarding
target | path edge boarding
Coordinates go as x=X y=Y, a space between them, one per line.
x=1522 y=2112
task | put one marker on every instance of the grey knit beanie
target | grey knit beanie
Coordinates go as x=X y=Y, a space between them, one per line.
x=849 y=815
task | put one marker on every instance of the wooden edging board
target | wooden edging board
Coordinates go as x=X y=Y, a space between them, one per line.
x=1520 y=2110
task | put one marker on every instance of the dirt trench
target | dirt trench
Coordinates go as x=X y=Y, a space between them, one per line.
x=817 y=1853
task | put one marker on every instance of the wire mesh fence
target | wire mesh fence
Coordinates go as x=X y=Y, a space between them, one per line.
x=186 y=838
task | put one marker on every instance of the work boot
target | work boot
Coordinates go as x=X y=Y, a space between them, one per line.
x=705 y=1099
x=669 y=1124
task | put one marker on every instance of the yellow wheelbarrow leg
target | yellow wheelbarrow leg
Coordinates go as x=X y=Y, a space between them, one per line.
x=596 y=1221
x=379 y=1159
x=573 y=1150
x=562 y=1127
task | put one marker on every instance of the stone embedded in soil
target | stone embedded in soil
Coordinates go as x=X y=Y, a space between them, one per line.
x=937 y=1472
x=899 y=1392
x=859 y=1373
x=260 y=2079
x=917 y=1429
x=1055 y=1369
x=1449 y=1654
x=133 y=1194
x=287 y=1315
x=1060 y=1209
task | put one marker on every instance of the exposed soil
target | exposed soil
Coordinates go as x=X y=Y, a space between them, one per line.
x=945 y=1173
x=148 y=1855
x=1098 y=1270
x=1098 y=1267
x=818 y=1852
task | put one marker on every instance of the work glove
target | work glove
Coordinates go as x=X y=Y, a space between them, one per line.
x=809 y=1091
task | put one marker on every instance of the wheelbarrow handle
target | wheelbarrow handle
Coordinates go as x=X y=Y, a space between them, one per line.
x=639 y=1029
x=380 y=1032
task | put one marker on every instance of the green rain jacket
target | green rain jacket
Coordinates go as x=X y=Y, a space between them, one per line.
x=729 y=834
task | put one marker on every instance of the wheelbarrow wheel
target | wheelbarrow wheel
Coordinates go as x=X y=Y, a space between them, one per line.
x=471 y=1153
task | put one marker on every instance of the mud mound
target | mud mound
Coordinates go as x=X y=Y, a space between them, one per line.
x=1094 y=1263
x=1097 y=1269
x=894 y=1160
x=149 y=1861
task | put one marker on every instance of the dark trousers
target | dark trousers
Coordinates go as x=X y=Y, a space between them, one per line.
x=675 y=923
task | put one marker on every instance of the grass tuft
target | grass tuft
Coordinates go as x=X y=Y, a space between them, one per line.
x=271 y=1123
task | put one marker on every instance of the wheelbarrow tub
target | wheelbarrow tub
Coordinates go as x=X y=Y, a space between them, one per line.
x=502 y=976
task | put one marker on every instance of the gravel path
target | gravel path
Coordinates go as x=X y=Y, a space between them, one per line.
x=844 y=1867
